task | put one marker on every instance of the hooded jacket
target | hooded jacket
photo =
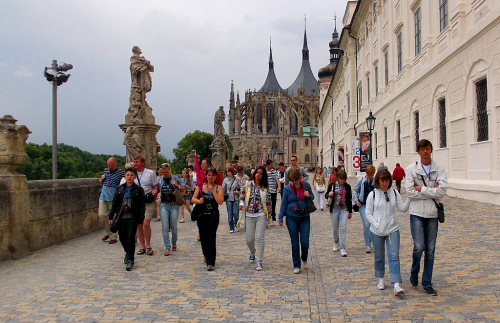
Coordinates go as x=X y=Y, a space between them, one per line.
x=382 y=214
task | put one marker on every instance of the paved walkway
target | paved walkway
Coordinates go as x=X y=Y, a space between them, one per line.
x=84 y=280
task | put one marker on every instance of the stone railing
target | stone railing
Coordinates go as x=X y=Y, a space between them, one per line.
x=37 y=214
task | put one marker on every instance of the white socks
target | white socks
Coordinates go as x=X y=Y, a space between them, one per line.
x=380 y=280
x=396 y=285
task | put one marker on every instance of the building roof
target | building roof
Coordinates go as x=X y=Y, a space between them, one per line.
x=271 y=84
x=306 y=77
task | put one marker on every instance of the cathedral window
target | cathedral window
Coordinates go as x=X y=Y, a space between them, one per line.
x=307 y=158
x=294 y=147
x=307 y=142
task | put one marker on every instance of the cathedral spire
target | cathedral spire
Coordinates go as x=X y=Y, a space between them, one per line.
x=271 y=63
x=305 y=50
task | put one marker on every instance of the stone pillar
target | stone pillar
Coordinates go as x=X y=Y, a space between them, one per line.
x=147 y=145
x=14 y=203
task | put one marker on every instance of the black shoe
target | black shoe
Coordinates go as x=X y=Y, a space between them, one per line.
x=130 y=265
x=431 y=291
x=414 y=280
x=125 y=260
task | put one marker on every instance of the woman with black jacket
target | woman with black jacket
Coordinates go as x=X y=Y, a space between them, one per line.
x=340 y=209
x=129 y=207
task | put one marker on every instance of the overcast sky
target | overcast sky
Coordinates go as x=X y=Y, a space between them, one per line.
x=197 y=47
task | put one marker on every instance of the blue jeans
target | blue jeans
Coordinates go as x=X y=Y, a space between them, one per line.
x=424 y=233
x=169 y=214
x=392 y=242
x=339 y=221
x=232 y=213
x=299 y=228
x=366 y=225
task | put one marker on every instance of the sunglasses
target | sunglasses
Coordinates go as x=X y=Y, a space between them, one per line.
x=386 y=196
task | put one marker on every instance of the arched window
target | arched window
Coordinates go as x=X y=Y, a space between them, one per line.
x=270 y=116
x=294 y=147
x=258 y=117
x=274 y=145
x=307 y=159
x=318 y=143
x=307 y=142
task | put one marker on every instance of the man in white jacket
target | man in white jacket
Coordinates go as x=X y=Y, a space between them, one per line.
x=425 y=181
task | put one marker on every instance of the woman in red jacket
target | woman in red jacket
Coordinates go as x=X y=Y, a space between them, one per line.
x=398 y=174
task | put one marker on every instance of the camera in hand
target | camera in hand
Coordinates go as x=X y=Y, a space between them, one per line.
x=126 y=208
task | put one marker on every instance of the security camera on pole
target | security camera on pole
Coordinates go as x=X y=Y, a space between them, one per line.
x=55 y=75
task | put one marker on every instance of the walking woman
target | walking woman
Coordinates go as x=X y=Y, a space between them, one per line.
x=209 y=199
x=129 y=203
x=298 y=220
x=333 y=175
x=186 y=187
x=319 y=186
x=384 y=230
x=243 y=178
x=256 y=202
x=231 y=188
x=363 y=187
x=340 y=210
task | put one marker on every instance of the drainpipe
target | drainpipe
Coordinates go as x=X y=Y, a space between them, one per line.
x=357 y=99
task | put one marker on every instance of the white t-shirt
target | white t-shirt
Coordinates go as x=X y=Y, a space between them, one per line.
x=147 y=178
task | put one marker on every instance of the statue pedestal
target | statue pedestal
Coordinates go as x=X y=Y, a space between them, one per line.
x=218 y=157
x=147 y=138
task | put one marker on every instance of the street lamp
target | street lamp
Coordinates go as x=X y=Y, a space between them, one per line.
x=55 y=75
x=370 y=124
x=332 y=146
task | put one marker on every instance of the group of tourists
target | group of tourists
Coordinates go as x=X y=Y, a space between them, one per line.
x=251 y=202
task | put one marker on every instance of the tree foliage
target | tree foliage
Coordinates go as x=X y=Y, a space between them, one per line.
x=198 y=141
x=72 y=162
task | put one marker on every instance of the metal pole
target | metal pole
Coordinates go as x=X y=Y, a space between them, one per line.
x=371 y=158
x=54 y=123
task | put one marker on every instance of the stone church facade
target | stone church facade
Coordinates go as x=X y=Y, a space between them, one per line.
x=274 y=122
x=426 y=70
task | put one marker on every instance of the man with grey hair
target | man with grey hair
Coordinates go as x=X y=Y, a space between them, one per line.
x=295 y=164
x=110 y=180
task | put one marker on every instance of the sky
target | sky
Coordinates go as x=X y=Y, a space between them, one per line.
x=197 y=48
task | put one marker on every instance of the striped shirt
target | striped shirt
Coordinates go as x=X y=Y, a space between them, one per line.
x=272 y=177
x=112 y=177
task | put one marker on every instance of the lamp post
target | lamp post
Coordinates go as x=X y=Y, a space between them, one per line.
x=370 y=124
x=55 y=75
x=332 y=146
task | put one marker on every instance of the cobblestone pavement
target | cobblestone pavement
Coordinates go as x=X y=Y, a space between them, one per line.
x=84 y=280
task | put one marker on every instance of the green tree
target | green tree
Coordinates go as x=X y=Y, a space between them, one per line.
x=198 y=141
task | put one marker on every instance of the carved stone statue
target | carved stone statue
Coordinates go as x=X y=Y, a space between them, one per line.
x=220 y=117
x=133 y=144
x=140 y=69
x=12 y=145
x=218 y=146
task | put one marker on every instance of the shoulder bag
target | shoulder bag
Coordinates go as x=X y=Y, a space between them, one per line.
x=310 y=204
x=439 y=206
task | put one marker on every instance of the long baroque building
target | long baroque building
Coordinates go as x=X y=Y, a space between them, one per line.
x=275 y=122
x=425 y=69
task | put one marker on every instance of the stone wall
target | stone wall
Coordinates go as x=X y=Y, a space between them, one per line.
x=47 y=212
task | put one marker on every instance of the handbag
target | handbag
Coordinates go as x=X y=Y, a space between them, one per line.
x=179 y=197
x=114 y=225
x=310 y=205
x=320 y=188
x=355 y=207
x=439 y=206
x=226 y=196
x=195 y=212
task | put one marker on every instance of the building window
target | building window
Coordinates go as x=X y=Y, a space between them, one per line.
x=398 y=135
x=443 y=14
x=400 y=51
x=442 y=123
x=385 y=142
x=317 y=143
x=417 y=128
x=270 y=115
x=418 y=30
x=294 y=147
x=376 y=79
x=366 y=25
x=374 y=11
x=274 y=145
x=360 y=96
x=386 y=62
x=348 y=104
x=376 y=145
x=358 y=46
x=482 y=113
x=307 y=158
x=368 y=88
x=307 y=142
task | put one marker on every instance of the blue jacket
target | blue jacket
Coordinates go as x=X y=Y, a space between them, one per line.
x=289 y=200
x=359 y=189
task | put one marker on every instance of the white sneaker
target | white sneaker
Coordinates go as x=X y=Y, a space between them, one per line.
x=336 y=247
x=369 y=249
x=343 y=253
x=231 y=231
x=182 y=221
x=259 y=266
x=398 y=291
x=380 y=286
x=296 y=270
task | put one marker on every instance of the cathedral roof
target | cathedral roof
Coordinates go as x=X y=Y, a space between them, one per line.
x=306 y=77
x=271 y=84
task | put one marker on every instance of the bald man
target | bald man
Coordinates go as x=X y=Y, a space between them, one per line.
x=110 y=180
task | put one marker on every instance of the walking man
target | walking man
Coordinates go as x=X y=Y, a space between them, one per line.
x=274 y=188
x=295 y=164
x=425 y=181
x=110 y=180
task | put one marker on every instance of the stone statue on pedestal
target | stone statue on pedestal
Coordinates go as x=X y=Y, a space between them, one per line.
x=218 y=146
x=140 y=128
x=12 y=145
